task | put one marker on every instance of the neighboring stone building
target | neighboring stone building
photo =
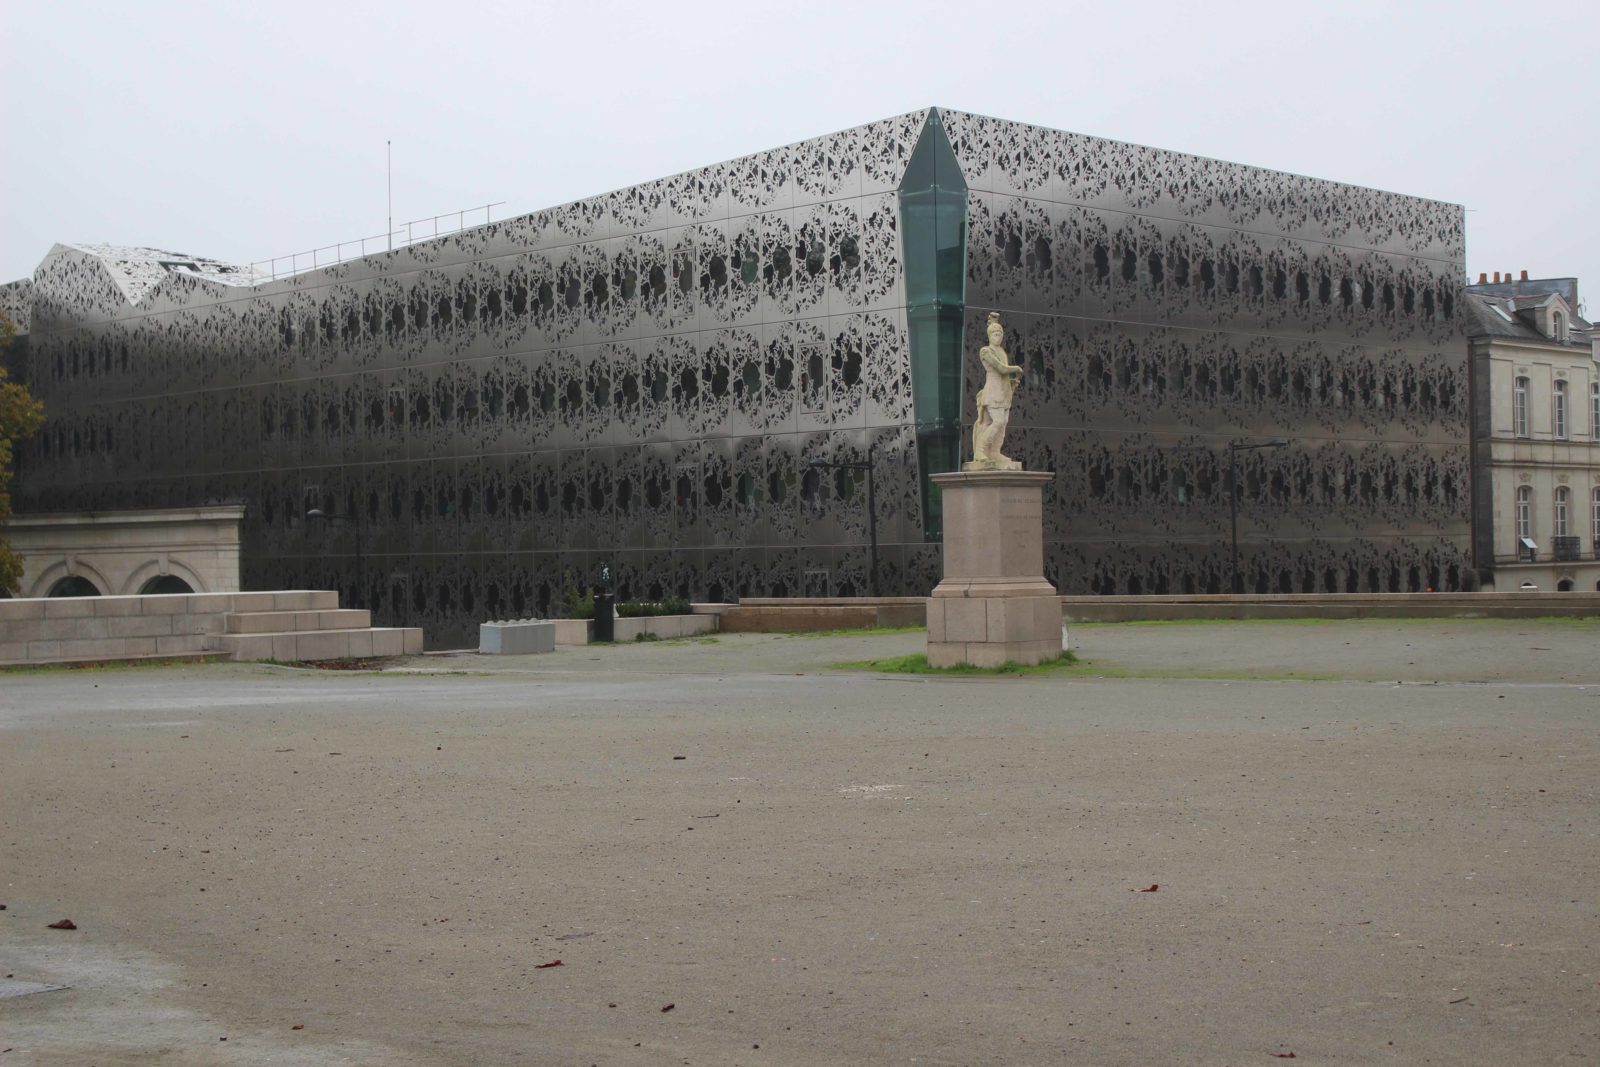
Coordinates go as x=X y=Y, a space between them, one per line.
x=125 y=553
x=1536 y=434
x=657 y=379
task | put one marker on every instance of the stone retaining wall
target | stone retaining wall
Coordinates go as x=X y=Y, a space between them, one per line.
x=664 y=627
x=85 y=629
x=800 y=614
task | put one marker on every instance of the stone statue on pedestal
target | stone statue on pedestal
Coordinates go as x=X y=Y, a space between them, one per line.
x=994 y=404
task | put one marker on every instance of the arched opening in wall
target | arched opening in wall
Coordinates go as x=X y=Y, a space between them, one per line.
x=73 y=585
x=1566 y=585
x=164 y=584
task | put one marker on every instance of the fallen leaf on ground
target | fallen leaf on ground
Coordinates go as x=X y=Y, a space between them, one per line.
x=64 y=924
x=1153 y=887
x=1284 y=1055
x=298 y=1026
x=668 y=1007
x=541 y=966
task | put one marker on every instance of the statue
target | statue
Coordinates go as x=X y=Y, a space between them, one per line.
x=994 y=404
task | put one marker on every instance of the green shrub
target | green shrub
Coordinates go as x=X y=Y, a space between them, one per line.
x=579 y=606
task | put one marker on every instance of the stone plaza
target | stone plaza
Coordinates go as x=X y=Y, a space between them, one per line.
x=1370 y=842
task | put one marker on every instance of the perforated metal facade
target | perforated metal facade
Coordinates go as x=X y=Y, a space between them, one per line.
x=645 y=377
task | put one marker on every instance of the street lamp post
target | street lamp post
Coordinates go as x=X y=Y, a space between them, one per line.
x=1234 y=448
x=355 y=521
x=872 y=506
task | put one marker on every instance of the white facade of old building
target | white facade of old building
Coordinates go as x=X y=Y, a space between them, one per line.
x=1536 y=436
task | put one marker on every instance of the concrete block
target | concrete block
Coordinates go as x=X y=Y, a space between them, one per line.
x=44 y=651
x=179 y=643
x=323 y=599
x=249 y=646
x=250 y=602
x=344 y=619
x=360 y=643
x=996 y=618
x=165 y=604
x=989 y=653
x=58 y=629
x=1047 y=615
x=72 y=607
x=17 y=610
x=260 y=622
x=935 y=616
x=90 y=649
x=411 y=643
x=145 y=626
x=283 y=647
x=140 y=646
x=388 y=642
x=516 y=637
x=13 y=651
x=573 y=631
x=965 y=620
x=323 y=644
x=118 y=606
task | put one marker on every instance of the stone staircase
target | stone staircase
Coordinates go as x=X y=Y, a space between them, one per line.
x=310 y=625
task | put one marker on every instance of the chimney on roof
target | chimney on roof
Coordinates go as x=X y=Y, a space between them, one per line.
x=1524 y=275
x=1497 y=277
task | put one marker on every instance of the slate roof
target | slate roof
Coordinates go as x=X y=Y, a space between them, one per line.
x=1485 y=302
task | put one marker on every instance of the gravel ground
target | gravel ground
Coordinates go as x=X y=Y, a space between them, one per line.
x=1397 y=865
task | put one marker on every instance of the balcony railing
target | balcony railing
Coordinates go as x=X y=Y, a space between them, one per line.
x=407 y=233
x=1567 y=548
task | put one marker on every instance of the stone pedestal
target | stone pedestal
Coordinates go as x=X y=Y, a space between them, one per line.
x=994 y=605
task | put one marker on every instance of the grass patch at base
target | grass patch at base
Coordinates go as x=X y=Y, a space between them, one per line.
x=917 y=663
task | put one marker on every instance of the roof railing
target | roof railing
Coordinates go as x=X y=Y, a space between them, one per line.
x=408 y=233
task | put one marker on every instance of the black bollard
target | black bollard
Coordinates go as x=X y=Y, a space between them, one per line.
x=605 y=617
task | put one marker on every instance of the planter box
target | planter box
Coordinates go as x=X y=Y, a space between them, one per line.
x=573 y=631
x=665 y=627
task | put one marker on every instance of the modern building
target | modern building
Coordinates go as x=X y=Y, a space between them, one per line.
x=1536 y=438
x=656 y=378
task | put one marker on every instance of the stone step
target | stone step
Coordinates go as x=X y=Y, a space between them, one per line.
x=360 y=643
x=155 y=657
x=270 y=622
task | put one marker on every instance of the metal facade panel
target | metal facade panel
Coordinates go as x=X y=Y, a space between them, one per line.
x=644 y=378
x=1165 y=305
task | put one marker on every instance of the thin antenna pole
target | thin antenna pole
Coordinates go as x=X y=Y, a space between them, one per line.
x=388 y=151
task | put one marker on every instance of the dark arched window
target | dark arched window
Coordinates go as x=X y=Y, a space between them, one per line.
x=165 y=583
x=73 y=585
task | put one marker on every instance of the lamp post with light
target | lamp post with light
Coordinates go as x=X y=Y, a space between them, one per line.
x=872 y=507
x=319 y=515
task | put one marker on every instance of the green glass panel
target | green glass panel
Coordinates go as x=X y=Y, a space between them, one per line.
x=933 y=216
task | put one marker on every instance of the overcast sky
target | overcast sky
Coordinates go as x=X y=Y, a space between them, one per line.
x=243 y=131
